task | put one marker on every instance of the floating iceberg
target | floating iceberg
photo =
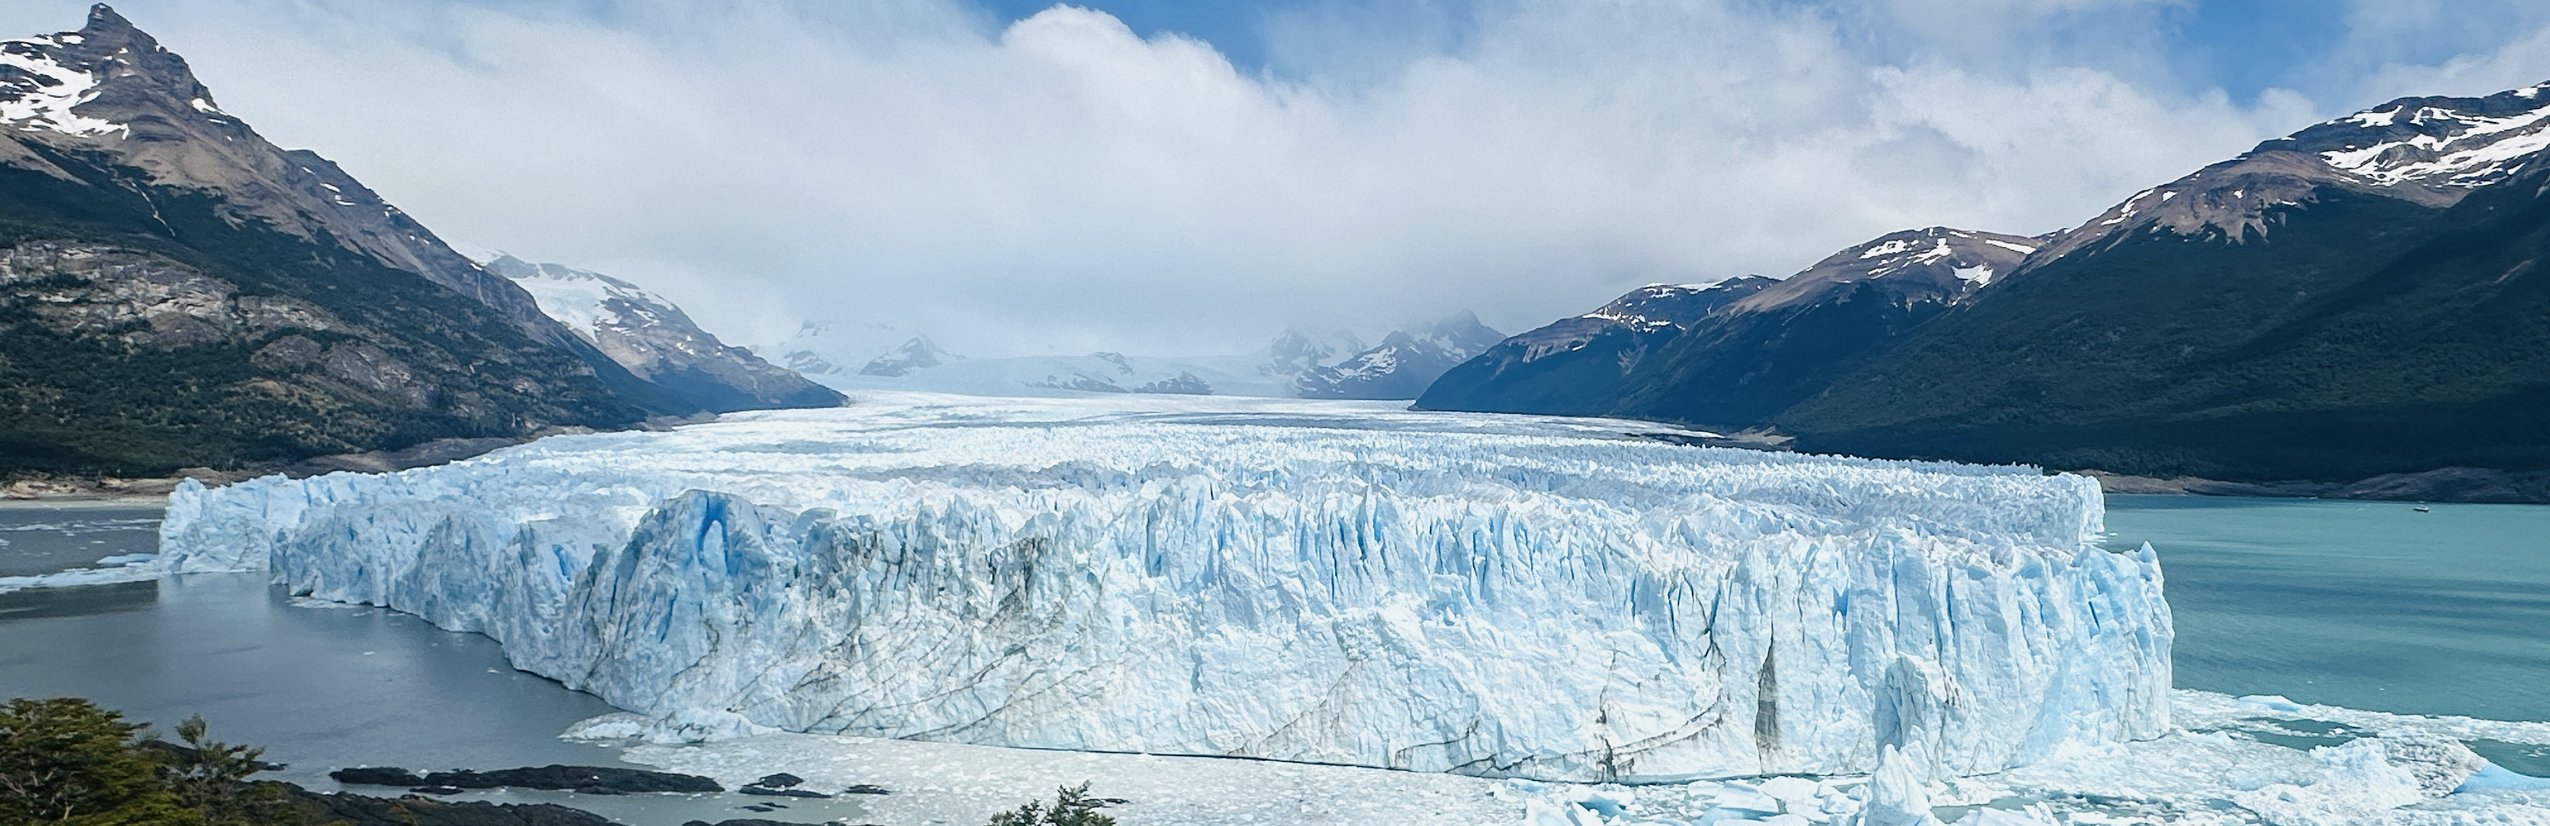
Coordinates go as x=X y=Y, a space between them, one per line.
x=1323 y=582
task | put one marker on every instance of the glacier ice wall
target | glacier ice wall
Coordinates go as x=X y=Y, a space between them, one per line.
x=1499 y=596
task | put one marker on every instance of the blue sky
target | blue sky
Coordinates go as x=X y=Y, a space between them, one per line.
x=965 y=167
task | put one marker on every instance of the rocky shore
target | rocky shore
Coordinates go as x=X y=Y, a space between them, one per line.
x=419 y=806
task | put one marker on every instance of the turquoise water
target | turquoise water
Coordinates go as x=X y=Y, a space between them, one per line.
x=2368 y=605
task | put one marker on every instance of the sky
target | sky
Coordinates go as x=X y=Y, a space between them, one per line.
x=1163 y=177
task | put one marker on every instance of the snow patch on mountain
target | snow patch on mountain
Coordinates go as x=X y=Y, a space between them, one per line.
x=2022 y=249
x=38 y=92
x=1323 y=582
x=1658 y=306
x=585 y=301
x=656 y=341
x=2443 y=145
x=2428 y=150
x=1933 y=264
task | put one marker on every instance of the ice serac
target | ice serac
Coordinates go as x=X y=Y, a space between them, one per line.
x=1331 y=582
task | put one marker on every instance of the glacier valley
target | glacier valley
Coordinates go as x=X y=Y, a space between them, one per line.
x=1320 y=582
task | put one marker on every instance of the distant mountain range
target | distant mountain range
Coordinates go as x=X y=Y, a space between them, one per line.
x=176 y=291
x=1300 y=363
x=1403 y=365
x=2358 y=299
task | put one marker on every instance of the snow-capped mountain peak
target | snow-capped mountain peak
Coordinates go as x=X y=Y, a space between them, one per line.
x=1301 y=348
x=110 y=92
x=38 y=91
x=96 y=83
x=656 y=341
x=1659 y=306
x=915 y=353
x=1405 y=362
x=2429 y=151
x=2441 y=142
x=1929 y=264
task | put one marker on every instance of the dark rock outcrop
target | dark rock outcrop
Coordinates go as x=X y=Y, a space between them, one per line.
x=582 y=779
x=414 y=810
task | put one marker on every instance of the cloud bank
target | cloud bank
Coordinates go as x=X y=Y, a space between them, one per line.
x=1062 y=184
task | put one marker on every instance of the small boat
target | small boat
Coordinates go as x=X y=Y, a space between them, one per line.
x=2425 y=509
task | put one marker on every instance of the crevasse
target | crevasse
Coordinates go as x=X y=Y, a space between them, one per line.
x=1499 y=596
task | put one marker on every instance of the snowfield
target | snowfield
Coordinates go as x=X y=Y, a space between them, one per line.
x=1339 y=583
x=2233 y=764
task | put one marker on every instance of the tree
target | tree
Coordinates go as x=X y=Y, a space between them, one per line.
x=67 y=761
x=212 y=778
x=1072 y=807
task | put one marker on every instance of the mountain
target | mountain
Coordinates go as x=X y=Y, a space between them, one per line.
x=1729 y=355
x=1792 y=339
x=1577 y=366
x=830 y=352
x=656 y=341
x=2359 y=298
x=176 y=291
x=914 y=354
x=1403 y=364
x=1302 y=349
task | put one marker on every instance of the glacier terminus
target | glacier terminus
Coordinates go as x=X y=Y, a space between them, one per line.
x=1327 y=582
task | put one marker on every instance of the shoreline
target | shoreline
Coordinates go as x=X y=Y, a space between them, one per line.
x=2457 y=485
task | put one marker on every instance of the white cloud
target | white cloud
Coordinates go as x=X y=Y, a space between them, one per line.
x=1064 y=185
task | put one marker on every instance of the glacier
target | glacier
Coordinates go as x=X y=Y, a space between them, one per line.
x=1324 y=582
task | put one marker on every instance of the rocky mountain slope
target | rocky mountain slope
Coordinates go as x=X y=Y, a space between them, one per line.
x=658 y=342
x=2360 y=298
x=2356 y=301
x=1729 y=355
x=1788 y=342
x=1579 y=366
x=176 y=291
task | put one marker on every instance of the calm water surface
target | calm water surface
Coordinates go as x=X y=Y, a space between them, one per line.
x=2368 y=605
x=44 y=537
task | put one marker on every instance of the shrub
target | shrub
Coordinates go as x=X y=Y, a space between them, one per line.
x=1072 y=807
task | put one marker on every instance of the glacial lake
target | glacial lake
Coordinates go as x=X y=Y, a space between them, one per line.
x=2364 y=605
x=321 y=686
x=2369 y=605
